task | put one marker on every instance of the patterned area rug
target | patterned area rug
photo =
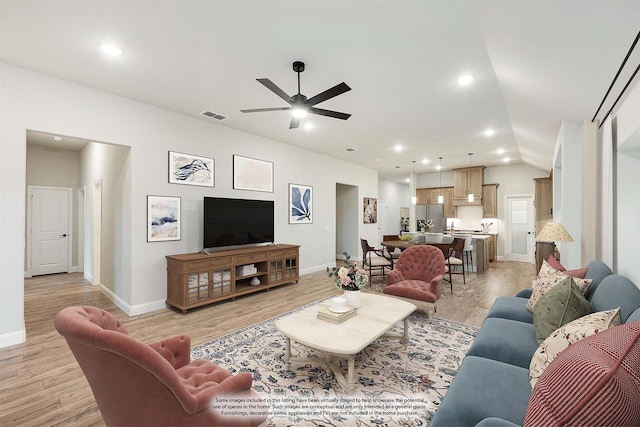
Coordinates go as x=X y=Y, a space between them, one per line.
x=396 y=385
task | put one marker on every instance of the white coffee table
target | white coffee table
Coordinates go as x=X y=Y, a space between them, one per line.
x=376 y=315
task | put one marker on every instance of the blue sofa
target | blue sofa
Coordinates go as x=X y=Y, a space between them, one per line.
x=492 y=386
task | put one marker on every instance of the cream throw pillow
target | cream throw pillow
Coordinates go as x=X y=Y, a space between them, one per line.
x=548 y=277
x=569 y=334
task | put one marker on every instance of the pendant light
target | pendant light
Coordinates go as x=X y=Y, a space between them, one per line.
x=414 y=199
x=470 y=193
x=440 y=198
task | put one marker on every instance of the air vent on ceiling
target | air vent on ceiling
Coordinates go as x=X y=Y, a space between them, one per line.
x=213 y=115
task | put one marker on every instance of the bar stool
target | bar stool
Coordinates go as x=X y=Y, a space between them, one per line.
x=468 y=251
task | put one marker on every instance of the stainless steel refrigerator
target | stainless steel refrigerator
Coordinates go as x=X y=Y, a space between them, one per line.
x=434 y=213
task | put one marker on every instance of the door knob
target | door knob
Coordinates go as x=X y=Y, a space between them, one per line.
x=64 y=235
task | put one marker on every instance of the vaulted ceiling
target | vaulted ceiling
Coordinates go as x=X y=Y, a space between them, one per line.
x=534 y=63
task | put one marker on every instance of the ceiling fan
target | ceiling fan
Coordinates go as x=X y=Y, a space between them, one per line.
x=299 y=104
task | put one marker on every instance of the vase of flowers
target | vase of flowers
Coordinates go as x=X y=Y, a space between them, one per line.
x=425 y=225
x=404 y=222
x=485 y=225
x=351 y=279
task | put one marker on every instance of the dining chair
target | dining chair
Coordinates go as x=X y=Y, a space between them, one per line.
x=390 y=251
x=374 y=259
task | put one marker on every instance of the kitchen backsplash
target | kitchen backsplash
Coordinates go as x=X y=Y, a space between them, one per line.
x=470 y=218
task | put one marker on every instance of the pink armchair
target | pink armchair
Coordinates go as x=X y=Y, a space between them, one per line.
x=136 y=384
x=417 y=276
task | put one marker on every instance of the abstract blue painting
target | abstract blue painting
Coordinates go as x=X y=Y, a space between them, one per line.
x=191 y=170
x=300 y=204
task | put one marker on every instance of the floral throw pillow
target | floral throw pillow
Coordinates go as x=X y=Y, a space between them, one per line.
x=569 y=334
x=548 y=277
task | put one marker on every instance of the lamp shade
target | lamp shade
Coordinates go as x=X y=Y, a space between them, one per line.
x=553 y=232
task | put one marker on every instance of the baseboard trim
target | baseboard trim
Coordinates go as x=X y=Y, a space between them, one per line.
x=13 y=338
x=132 y=310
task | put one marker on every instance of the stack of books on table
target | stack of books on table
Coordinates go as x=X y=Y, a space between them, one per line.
x=333 y=317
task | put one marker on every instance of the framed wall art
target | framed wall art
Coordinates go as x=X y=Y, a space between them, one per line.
x=252 y=174
x=370 y=210
x=300 y=204
x=191 y=170
x=163 y=218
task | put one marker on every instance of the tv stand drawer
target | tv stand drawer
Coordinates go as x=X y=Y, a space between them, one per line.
x=211 y=263
x=250 y=258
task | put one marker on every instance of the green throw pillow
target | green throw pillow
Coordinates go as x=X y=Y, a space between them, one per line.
x=558 y=306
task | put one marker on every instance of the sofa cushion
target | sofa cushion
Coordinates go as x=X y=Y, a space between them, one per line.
x=484 y=388
x=598 y=270
x=595 y=381
x=616 y=291
x=505 y=340
x=547 y=279
x=569 y=334
x=513 y=308
x=559 y=306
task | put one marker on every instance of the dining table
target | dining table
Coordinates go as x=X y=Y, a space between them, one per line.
x=391 y=245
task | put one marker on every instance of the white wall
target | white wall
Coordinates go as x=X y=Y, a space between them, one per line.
x=397 y=196
x=568 y=192
x=627 y=196
x=580 y=188
x=38 y=102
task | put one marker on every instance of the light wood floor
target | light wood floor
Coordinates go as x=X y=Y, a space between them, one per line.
x=42 y=385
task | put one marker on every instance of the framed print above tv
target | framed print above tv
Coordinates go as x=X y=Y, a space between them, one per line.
x=300 y=204
x=163 y=218
x=191 y=170
x=252 y=174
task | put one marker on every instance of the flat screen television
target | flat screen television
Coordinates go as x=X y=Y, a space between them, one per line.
x=235 y=222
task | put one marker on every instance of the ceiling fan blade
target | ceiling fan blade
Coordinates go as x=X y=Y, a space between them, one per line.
x=295 y=123
x=329 y=113
x=259 y=110
x=329 y=93
x=275 y=89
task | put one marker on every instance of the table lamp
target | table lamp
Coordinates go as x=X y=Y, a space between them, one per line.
x=551 y=232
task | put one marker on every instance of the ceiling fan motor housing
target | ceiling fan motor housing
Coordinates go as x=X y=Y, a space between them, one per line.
x=298 y=66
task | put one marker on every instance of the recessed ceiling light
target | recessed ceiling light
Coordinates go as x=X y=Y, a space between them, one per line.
x=489 y=132
x=110 y=49
x=308 y=126
x=465 y=80
x=506 y=160
x=500 y=151
x=57 y=138
x=425 y=161
x=407 y=180
x=438 y=167
x=398 y=148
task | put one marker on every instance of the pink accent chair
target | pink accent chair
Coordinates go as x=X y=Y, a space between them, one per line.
x=138 y=384
x=417 y=276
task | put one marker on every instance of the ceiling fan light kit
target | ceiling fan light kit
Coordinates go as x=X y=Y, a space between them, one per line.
x=299 y=104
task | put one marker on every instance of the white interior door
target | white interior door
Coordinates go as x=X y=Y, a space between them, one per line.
x=520 y=242
x=382 y=222
x=50 y=242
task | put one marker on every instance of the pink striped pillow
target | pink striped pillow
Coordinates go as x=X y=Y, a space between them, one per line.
x=579 y=272
x=594 y=382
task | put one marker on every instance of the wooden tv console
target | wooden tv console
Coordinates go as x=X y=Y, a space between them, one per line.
x=198 y=279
